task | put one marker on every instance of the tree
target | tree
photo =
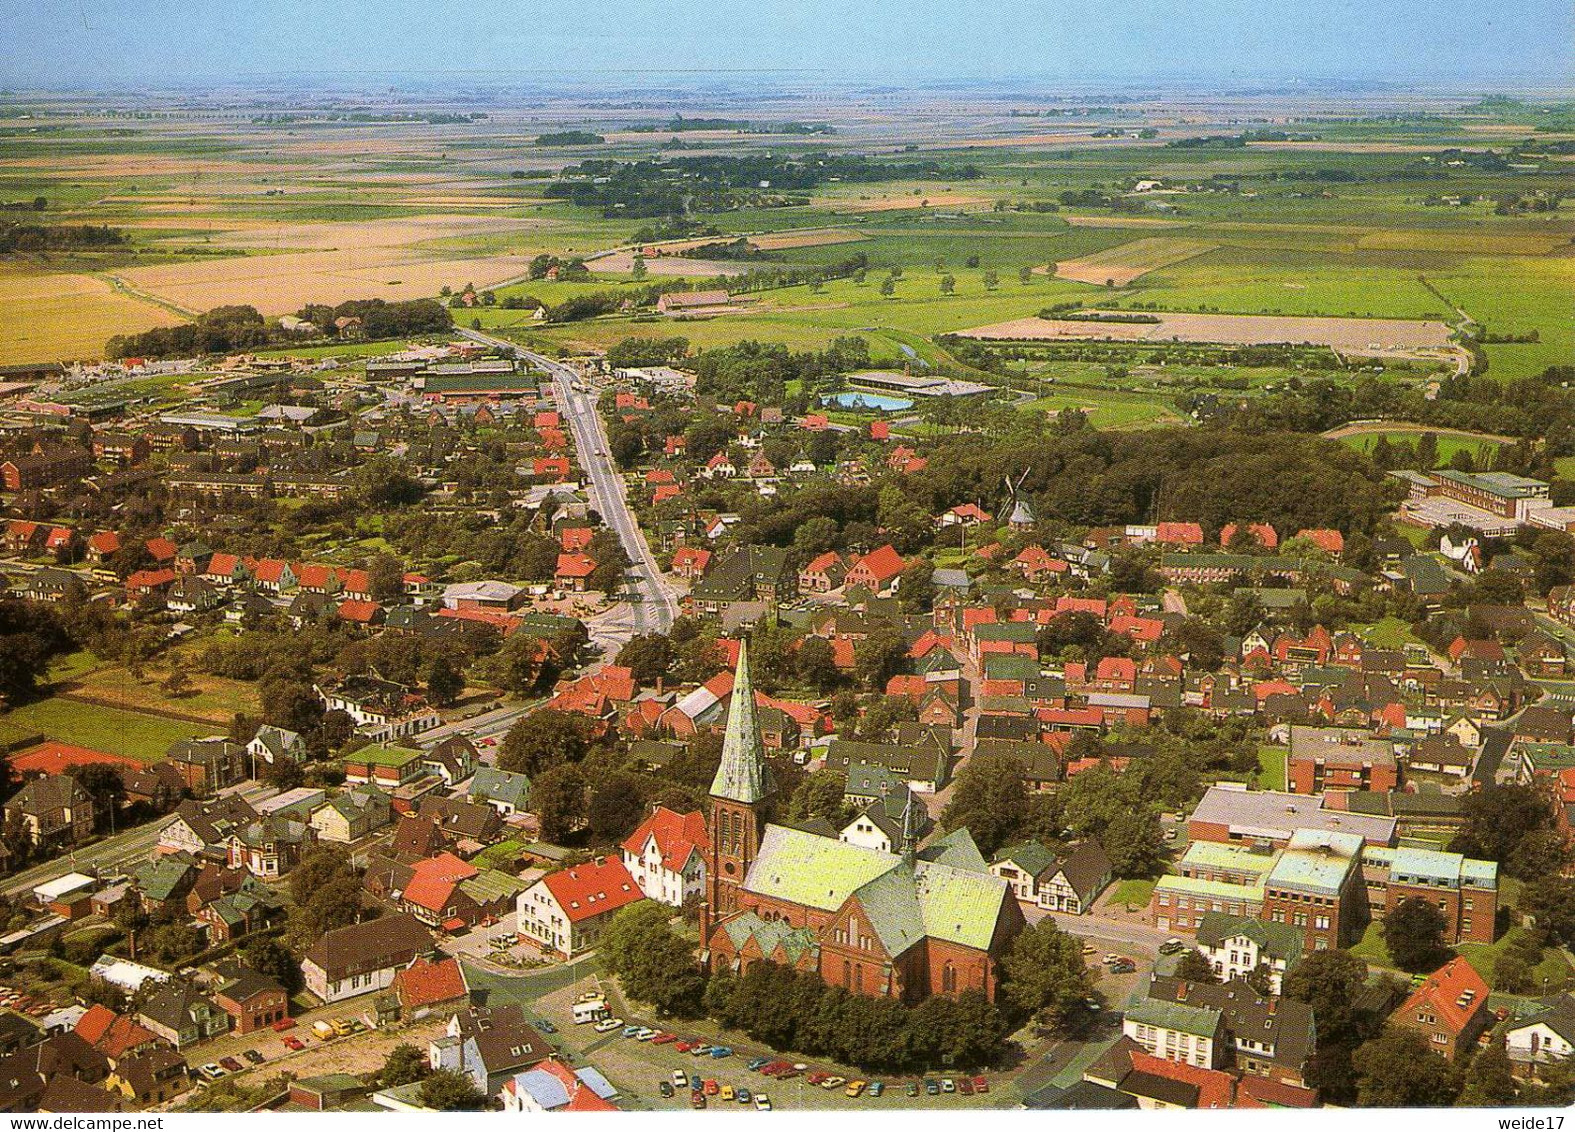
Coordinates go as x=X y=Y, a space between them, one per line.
x=653 y=963
x=1025 y=275
x=817 y=665
x=1044 y=975
x=289 y=702
x=1194 y=967
x=1489 y=1080
x=649 y=656
x=990 y=800
x=888 y=288
x=1497 y=819
x=1550 y=902
x=104 y=783
x=1398 y=1069
x=267 y=957
x=616 y=806
x=518 y=665
x=1414 y=934
x=449 y=1090
x=991 y=280
x=404 y=1065
x=1134 y=843
x=445 y=682
x=820 y=795
x=879 y=657
x=558 y=795
x=543 y=739
x=948 y=284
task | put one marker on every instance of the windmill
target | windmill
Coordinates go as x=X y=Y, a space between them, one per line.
x=1021 y=515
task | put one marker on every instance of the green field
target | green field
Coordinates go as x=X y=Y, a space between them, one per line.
x=1271 y=768
x=143 y=737
x=1131 y=893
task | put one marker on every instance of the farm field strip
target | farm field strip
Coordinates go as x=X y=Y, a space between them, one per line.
x=1125 y=263
x=1355 y=334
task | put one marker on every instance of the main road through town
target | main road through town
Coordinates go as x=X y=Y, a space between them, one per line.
x=654 y=607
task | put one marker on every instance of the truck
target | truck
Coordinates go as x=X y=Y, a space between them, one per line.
x=590 y=1007
x=323 y=1029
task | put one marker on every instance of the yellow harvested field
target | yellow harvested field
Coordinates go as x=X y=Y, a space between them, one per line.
x=360 y=235
x=898 y=204
x=622 y=263
x=63 y=316
x=1122 y=222
x=778 y=241
x=1465 y=243
x=1122 y=264
x=1360 y=335
x=280 y=284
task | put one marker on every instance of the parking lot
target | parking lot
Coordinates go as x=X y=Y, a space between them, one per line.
x=638 y=1068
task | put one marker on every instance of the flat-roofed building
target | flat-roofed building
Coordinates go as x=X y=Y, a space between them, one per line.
x=1316 y=887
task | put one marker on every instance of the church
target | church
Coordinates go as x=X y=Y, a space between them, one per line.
x=902 y=925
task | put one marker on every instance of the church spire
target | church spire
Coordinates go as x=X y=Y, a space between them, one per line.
x=911 y=828
x=742 y=775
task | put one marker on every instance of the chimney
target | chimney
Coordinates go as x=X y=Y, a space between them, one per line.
x=1274 y=1004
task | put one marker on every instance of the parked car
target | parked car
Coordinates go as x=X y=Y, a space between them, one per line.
x=721 y=1051
x=856 y=1088
x=1172 y=946
x=756 y=1063
x=965 y=1086
x=697 y=1099
x=912 y=1088
x=231 y=1064
x=293 y=1043
x=684 y=1046
x=1123 y=967
x=877 y=1088
x=833 y=1082
x=711 y=1087
x=762 y=1103
x=932 y=1086
x=211 y=1071
x=726 y=1094
x=742 y=1095
x=981 y=1084
x=253 y=1056
x=630 y=1031
x=680 y=1079
x=284 y=1024
x=1110 y=957
x=545 y=1026
x=948 y=1085
x=1089 y=949
x=608 y=1025
x=665 y=1088
x=664 y=1039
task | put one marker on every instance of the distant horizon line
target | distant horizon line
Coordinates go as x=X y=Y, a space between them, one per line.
x=448 y=80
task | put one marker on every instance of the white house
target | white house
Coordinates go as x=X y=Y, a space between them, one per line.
x=1542 y=1037
x=666 y=856
x=363 y=958
x=565 y=911
x=1236 y=946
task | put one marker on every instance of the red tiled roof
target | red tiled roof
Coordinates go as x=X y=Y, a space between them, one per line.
x=1265 y=534
x=1327 y=540
x=1440 y=995
x=678 y=836
x=425 y=982
x=361 y=612
x=112 y=1034
x=1183 y=534
x=162 y=549
x=267 y=569
x=432 y=880
x=590 y=890
x=883 y=564
x=1147 y=629
x=105 y=542
x=222 y=565
x=575 y=566
x=1215 y=1087
x=150 y=579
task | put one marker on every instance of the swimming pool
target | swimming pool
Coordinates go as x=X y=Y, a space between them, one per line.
x=862 y=400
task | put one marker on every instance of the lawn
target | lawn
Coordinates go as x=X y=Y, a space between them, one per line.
x=1271 y=768
x=1554 y=972
x=212 y=698
x=1390 y=633
x=1133 y=893
x=143 y=737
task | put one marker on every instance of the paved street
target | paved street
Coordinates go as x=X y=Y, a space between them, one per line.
x=656 y=607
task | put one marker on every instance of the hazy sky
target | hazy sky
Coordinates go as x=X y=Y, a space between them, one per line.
x=75 y=42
